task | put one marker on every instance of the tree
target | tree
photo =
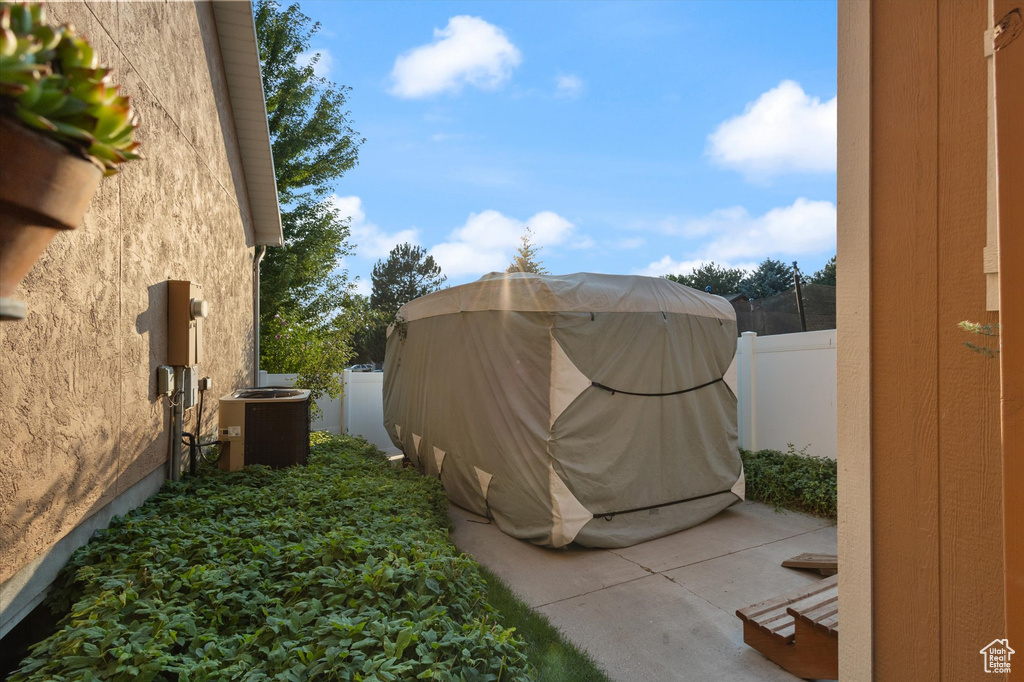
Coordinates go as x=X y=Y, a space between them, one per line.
x=407 y=274
x=722 y=280
x=525 y=259
x=827 y=275
x=312 y=140
x=302 y=291
x=771 y=277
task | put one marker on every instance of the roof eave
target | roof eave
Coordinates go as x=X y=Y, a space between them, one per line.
x=236 y=30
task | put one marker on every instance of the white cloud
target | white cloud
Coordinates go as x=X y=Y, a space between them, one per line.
x=323 y=65
x=785 y=130
x=486 y=242
x=668 y=266
x=370 y=240
x=734 y=238
x=630 y=243
x=568 y=86
x=467 y=51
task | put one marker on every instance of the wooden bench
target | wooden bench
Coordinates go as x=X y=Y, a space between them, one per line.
x=799 y=631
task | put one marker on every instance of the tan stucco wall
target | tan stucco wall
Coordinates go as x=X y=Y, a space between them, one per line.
x=80 y=420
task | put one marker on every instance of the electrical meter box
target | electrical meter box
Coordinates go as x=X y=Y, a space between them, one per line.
x=186 y=309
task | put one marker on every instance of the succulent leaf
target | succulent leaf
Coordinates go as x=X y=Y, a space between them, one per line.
x=74 y=132
x=8 y=42
x=54 y=82
x=36 y=121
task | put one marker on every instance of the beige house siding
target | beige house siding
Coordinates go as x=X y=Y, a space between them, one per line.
x=80 y=420
x=920 y=495
x=1009 y=77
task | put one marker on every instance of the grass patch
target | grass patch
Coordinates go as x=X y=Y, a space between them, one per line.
x=792 y=480
x=339 y=570
x=555 y=659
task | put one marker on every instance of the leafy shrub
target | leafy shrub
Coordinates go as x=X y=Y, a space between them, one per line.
x=339 y=570
x=792 y=480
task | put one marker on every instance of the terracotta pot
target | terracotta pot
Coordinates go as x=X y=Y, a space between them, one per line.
x=44 y=188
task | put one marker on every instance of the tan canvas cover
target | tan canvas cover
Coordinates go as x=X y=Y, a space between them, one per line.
x=586 y=408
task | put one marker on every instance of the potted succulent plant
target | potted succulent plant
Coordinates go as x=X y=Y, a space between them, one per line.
x=63 y=126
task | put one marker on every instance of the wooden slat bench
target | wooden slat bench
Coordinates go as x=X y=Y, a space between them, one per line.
x=799 y=631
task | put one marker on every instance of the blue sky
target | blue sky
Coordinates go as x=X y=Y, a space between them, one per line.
x=632 y=137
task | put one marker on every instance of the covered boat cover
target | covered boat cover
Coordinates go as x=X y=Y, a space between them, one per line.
x=587 y=408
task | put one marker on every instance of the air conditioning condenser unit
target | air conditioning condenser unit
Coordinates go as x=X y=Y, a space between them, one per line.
x=264 y=426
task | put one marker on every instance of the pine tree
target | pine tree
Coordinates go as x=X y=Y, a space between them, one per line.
x=827 y=275
x=525 y=259
x=771 y=277
x=406 y=274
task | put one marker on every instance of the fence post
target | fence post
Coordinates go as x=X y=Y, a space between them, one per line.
x=747 y=381
x=346 y=401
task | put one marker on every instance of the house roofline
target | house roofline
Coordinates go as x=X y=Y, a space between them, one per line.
x=236 y=30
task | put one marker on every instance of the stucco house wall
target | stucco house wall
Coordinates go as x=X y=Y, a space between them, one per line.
x=80 y=418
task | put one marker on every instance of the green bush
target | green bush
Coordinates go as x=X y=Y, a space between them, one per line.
x=340 y=570
x=791 y=480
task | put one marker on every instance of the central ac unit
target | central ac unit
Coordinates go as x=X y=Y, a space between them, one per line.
x=264 y=426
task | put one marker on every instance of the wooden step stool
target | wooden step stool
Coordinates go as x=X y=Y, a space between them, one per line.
x=799 y=631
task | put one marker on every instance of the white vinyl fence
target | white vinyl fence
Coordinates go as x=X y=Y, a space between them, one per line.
x=785 y=383
x=359 y=412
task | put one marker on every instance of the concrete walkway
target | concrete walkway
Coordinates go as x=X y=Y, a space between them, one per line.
x=665 y=609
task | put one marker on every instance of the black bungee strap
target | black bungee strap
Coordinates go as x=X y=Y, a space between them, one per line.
x=613 y=391
x=608 y=516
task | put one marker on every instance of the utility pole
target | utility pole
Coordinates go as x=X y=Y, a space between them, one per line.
x=799 y=296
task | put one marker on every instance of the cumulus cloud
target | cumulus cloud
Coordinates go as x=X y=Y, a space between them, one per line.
x=734 y=238
x=323 y=65
x=468 y=51
x=487 y=240
x=370 y=240
x=568 y=86
x=785 y=130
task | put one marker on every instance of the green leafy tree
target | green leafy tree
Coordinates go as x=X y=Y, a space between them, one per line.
x=302 y=291
x=827 y=275
x=406 y=274
x=771 y=277
x=525 y=259
x=312 y=139
x=722 y=280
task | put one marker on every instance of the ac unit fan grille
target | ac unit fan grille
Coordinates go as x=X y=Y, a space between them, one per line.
x=277 y=433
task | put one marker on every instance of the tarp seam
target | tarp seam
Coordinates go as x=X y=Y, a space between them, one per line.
x=608 y=516
x=613 y=391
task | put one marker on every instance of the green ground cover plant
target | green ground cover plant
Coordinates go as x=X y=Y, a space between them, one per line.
x=339 y=570
x=553 y=658
x=792 y=480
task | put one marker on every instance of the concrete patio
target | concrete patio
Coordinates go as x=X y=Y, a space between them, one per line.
x=664 y=609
